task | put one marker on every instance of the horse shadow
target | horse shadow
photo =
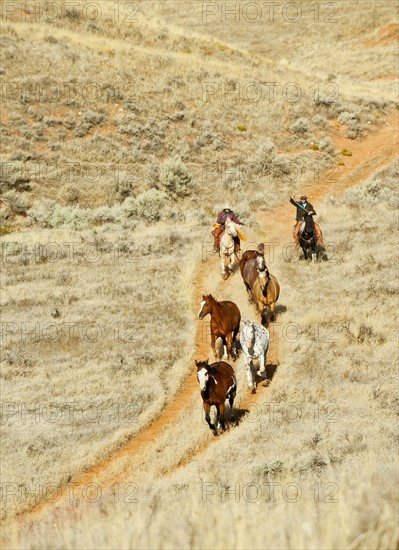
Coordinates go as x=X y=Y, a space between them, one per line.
x=321 y=254
x=235 y=416
x=271 y=369
x=280 y=308
x=232 y=269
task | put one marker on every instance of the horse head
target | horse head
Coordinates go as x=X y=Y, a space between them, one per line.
x=230 y=228
x=309 y=223
x=205 y=306
x=202 y=373
x=249 y=334
x=263 y=272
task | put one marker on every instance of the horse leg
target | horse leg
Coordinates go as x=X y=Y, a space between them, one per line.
x=207 y=409
x=235 y=332
x=272 y=311
x=263 y=314
x=220 y=416
x=249 y=291
x=231 y=402
x=225 y=349
x=213 y=345
x=262 y=365
x=250 y=374
x=223 y=264
x=230 y=351
x=314 y=252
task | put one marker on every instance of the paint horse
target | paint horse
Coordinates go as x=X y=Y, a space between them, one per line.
x=257 y=255
x=262 y=287
x=217 y=383
x=228 y=253
x=225 y=323
x=254 y=339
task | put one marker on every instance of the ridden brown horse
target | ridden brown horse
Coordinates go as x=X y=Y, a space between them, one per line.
x=262 y=287
x=217 y=383
x=225 y=322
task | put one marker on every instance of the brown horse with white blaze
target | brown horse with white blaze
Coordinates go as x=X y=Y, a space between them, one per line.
x=225 y=323
x=217 y=383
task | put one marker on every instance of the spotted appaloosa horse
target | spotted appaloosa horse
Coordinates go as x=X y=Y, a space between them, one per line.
x=217 y=383
x=225 y=323
x=227 y=249
x=254 y=339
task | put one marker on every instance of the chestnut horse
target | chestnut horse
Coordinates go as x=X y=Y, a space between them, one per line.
x=262 y=287
x=225 y=323
x=217 y=383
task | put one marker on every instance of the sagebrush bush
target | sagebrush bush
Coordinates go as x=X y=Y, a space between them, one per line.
x=151 y=204
x=210 y=138
x=301 y=126
x=17 y=202
x=176 y=179
x=320 y=120
x=352 y=121
x=265 y=154
x=326 y=145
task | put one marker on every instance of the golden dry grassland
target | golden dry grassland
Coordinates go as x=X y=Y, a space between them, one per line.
x=124 y=131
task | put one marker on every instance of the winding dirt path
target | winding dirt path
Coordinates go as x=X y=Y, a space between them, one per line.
x=376 y=151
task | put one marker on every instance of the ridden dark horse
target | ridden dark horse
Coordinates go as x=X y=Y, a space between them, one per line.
x=262 y=287
x=217 y=383
x=308 y=239
x=225 y=322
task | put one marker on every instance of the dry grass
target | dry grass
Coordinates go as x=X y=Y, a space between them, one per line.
x=83 y=367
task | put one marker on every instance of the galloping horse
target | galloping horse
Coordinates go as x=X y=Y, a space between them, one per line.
x=217 y=383
x=225 y=323
x=227 y=248
x=249 y=274
x=262 y=287
x=308 y=238
x=254 y=341
x=252 y=255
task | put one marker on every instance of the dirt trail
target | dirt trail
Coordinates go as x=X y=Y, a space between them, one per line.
x=378 y=150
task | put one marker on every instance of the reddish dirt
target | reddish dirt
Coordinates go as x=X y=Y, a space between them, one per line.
x=368 y=155
x=386 y=35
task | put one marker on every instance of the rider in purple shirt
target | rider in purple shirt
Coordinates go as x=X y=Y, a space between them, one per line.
x=227 y=212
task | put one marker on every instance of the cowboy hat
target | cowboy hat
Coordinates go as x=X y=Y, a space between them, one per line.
x=303 y=197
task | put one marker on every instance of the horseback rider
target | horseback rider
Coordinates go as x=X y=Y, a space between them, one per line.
x=304 y=206
x=223 y=216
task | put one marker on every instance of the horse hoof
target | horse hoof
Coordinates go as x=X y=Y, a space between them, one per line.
x=260 y=373
x=253 y=390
